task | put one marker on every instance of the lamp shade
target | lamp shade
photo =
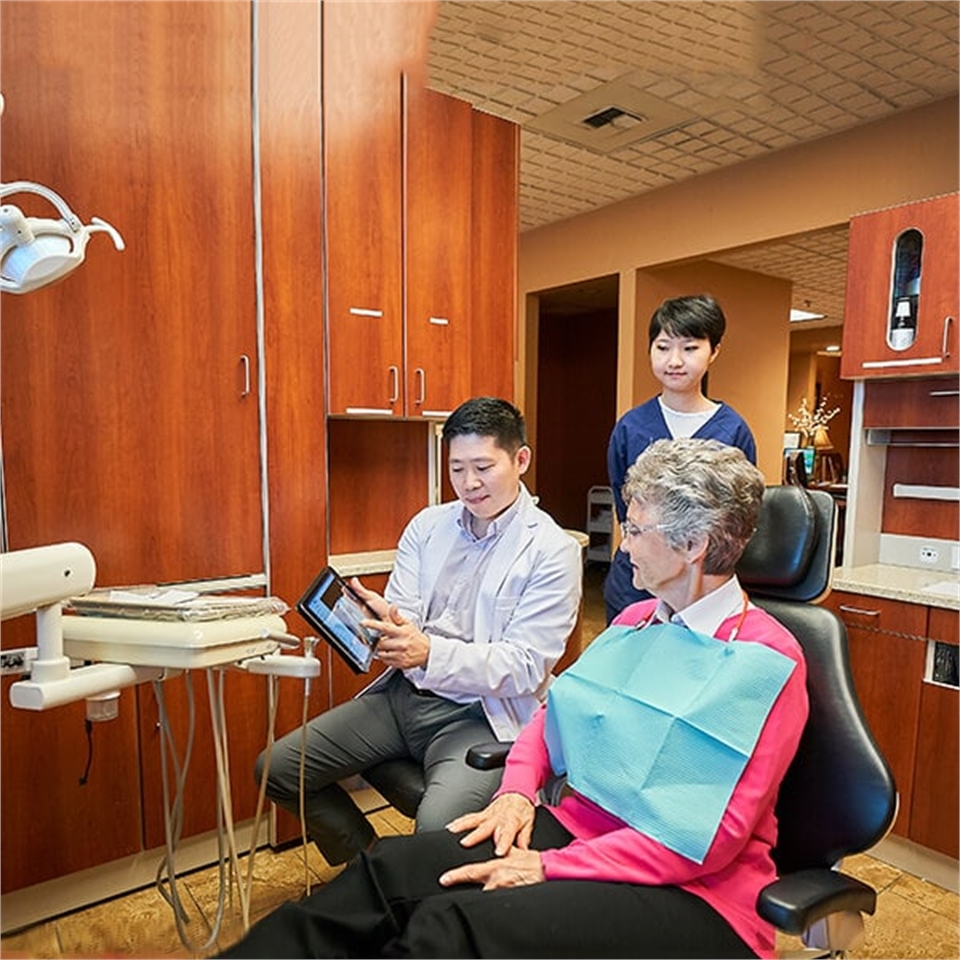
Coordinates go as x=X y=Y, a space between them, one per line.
x=821 y=439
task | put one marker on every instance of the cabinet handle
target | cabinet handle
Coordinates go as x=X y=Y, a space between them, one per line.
x=422 y=385
x=857 y=610
x=245 y=362
x=945 y=393
x=944 y=346
x=395 y=385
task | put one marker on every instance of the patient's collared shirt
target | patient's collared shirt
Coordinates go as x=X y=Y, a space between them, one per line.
x=706 y=614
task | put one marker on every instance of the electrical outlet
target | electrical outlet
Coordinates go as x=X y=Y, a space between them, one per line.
x=17 y=661
x=929 y=554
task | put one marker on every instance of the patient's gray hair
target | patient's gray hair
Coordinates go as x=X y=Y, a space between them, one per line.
x=699 y=488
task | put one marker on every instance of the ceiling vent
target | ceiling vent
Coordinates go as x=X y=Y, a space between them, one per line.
x=610 y=117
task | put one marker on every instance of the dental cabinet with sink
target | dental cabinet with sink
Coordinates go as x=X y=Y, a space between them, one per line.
x=898 y=591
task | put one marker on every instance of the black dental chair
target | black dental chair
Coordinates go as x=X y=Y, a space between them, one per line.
x=838 y=797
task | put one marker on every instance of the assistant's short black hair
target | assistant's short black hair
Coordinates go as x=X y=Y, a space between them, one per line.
x=699 y=317
x=488 y=417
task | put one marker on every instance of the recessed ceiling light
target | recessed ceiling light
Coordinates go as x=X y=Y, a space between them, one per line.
x=798 y=316
x=832 y=348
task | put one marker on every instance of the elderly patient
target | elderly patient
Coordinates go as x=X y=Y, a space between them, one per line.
x=673 y=730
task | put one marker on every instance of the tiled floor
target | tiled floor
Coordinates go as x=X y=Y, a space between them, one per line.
x=914 y=918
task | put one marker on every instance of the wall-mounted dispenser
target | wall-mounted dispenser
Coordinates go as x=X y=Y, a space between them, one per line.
x=905 y=289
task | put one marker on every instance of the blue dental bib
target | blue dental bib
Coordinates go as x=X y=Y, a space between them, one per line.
x=656 y=725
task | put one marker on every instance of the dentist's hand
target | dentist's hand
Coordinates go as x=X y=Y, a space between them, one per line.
x=401 y=644
x=371 y=598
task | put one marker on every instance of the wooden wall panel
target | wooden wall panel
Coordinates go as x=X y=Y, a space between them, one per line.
x=293 y=295
x=54 y=824
x=577 y=357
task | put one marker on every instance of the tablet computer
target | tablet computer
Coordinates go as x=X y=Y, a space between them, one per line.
x=335 y=610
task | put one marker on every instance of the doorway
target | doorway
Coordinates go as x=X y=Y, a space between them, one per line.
x=576 y=394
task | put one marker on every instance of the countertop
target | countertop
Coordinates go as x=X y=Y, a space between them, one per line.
x=934 y=588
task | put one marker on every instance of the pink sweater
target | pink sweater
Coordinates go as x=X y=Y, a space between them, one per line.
x=738 y=863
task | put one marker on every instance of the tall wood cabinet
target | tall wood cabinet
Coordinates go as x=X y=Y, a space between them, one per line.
x=130 y=407
x=902 y=298
x=421 y=234
x=129 y=401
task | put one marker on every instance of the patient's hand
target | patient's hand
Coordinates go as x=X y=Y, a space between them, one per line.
x=519 y=868
x=508 y=820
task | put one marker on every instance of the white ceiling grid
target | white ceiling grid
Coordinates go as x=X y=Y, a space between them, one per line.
x=754 y=76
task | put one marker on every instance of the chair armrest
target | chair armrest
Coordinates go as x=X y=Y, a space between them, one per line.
x=797 y=900
x=488 y=756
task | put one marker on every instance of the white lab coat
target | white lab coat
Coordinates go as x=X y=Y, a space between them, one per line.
x=526 y=609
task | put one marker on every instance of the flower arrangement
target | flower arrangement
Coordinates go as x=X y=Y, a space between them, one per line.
x=807 y=421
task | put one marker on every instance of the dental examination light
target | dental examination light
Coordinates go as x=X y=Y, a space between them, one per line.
x=36 y=251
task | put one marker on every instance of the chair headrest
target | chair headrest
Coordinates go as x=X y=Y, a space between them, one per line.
x=791 y=552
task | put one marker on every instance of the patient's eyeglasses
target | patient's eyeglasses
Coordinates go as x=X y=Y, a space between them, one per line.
x=628 y=530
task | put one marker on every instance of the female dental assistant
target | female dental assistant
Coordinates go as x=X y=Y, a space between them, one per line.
x=684 y=336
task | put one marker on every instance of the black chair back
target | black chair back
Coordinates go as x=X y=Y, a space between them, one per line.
x=838 y=796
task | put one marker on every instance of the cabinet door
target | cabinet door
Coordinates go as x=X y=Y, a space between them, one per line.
x=888 y=671
x=362 y=157
x=129 y=404
x=439 y=171
x=933 y=819
x=493 y=333
x=869 y=303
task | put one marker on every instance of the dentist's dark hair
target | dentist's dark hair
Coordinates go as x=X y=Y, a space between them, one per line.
x=488 y=417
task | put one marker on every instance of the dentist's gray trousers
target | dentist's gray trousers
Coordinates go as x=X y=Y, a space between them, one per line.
x=393 y=722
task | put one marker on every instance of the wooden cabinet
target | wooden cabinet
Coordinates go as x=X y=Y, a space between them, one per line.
x=922 y=403
x=128 y=390
x=903 y=260
x=913 y=719
x=129 y=399
x=888 y=671
x=421 y=234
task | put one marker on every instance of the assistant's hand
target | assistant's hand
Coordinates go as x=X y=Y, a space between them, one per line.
x=519 y=868
x=401 y=644
x=508 y=820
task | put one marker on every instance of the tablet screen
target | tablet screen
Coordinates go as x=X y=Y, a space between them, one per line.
x=336 y=611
